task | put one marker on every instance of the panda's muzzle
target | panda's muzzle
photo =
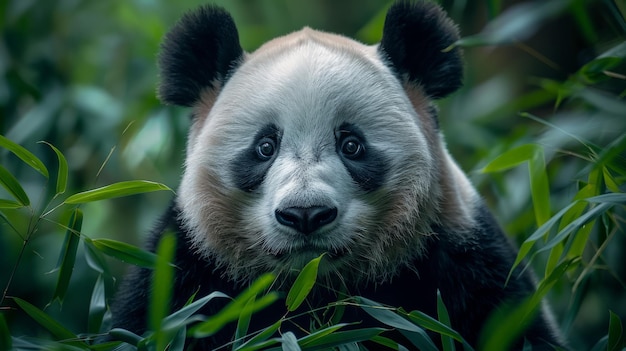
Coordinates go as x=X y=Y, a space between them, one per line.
x=306 y=220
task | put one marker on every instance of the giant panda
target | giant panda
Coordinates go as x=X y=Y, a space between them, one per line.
x=318 y=144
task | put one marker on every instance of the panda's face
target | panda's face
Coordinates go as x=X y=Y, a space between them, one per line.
x=311 y=147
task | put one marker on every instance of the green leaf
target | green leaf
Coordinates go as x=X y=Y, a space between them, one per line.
x=578 y=223
x=343 y=337
x=313 y=337
x=180 y=317
x=56 y=329
x=115 y=190
x=232 y=311
x=160 y=294
x=24 y=155
x=388 y=343
x=63 y=170
x=442 y=313
x=538 y=234
x=504 y=326
x=97 y=306
x=611 y=198
x=68 y=254
x=385 y=315
x=8 y=204
x=618 y=50
x=178 y=342
x=428 y=322
x=5 y=335
x=10 y=183
x=303 y=284
x=125 y=336
x=616 y=337
x=124 y=252
x=595 y=71
x=260 y=341
x=539 y=186
x=511 y=158
x=243 y=323
x=95 y=259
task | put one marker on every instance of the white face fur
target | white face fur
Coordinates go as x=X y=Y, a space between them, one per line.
x=312 y=121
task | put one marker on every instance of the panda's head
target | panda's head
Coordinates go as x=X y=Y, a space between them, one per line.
x=314 y=143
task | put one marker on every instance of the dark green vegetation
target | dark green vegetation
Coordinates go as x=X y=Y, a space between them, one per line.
x=540 y=126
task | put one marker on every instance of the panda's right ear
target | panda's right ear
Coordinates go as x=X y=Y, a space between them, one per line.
x=197 y=54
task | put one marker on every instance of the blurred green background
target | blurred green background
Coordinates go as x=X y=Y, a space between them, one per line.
x=81 y=75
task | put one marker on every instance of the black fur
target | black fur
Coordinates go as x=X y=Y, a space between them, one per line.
x=368 y=170
x=248 y=169
x=414 y=37
x=200 y=51
x=470 y=274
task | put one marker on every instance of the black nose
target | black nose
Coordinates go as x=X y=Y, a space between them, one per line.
x=306 y=219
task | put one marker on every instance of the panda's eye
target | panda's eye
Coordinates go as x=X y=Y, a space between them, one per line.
x=266 y=149
x=351 y=147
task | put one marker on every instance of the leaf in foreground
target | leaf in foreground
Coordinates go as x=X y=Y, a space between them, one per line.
x=303 y=284
x=124 y=252
x=131 y=187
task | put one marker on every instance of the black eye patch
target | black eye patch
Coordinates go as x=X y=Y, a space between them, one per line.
x=367 y=166
x=251 y=165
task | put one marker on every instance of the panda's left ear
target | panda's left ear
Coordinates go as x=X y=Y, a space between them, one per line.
x=414 y=38
x=197 y=54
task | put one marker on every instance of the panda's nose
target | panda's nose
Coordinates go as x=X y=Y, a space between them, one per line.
x=306 y=219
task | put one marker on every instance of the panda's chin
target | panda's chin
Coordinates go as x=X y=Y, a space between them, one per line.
x=302 y=255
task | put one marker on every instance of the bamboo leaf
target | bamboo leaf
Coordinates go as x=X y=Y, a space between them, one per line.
x=125 y=252
x=67 y=258
x=95 y=259
x=504 y=325
x=57 y=330
x=442 y=313
x=539 y=187
x=511 y=158
x=63 y=170
x=428 y=322
x=10 y=183
x=579 y=222
x=160 y=296
x=9 y=204
x=24 y=155
x=311 y=338
x=385 y=315
x=616 y=337
x=97 y=306
x=115 y=190
x=303 y=284
x=260 y=341
x=343 y=337
x=5 y=335
x=125 y=336
x=232 y=311
x=243 y=323
x=180 y=317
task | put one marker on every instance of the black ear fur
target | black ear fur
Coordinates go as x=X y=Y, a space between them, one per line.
x=200 y=50
x=414 y=37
